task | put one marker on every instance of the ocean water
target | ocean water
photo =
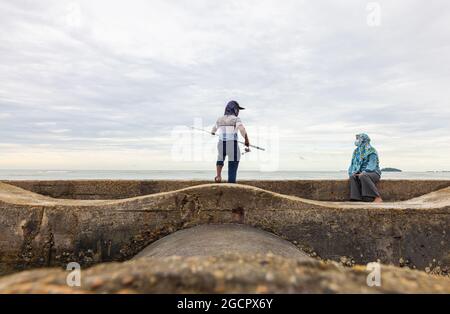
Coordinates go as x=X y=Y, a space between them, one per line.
x=200 y=175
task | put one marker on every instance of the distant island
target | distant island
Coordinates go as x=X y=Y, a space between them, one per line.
x=390 y=170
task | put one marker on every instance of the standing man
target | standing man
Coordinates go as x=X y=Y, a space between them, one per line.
x=228 y=126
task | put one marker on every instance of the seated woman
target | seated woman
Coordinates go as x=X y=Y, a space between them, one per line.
x=364 y=171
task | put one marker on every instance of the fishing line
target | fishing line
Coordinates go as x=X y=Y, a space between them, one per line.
x=203 y=130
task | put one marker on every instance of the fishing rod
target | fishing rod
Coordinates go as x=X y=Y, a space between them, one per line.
x=203 y=130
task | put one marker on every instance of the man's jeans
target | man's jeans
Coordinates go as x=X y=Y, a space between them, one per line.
x=230 y=149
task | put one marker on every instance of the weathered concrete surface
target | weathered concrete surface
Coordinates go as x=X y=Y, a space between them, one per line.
x=218 y=240
x=39 y=231
x=321 y=190
x=225 y=274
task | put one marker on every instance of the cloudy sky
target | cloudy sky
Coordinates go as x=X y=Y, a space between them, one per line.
x=104 y=84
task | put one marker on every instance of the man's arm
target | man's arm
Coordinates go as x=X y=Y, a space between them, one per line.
x=243 y=131
x=247 y=142
x=214 y=129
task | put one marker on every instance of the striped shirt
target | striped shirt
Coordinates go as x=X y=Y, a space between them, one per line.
x=227 y=128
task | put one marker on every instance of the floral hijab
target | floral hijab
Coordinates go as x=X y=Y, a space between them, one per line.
x=363 y=150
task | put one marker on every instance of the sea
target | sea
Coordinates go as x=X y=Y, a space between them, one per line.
x=201 y=175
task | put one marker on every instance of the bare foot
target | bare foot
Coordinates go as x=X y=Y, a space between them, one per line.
x=378 y=200
x=218 y=179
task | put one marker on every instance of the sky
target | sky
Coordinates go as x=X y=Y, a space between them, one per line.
x=114 y=84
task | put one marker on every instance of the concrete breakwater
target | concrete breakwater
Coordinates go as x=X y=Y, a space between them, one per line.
x=43 y=231
x=319 y=190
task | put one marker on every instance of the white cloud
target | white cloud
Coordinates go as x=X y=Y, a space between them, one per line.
x=80 y=77
x=4 y=115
